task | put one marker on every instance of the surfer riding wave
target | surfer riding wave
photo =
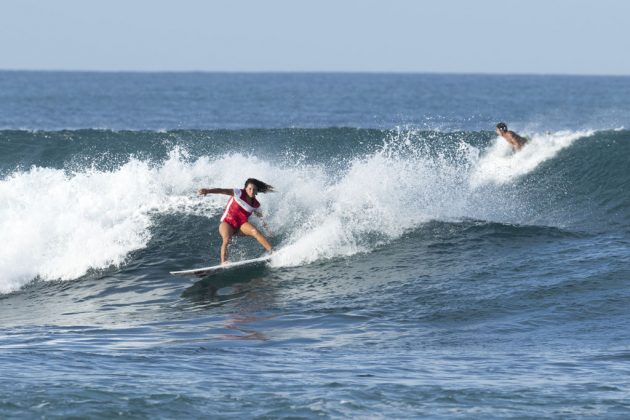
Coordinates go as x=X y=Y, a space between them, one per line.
x=240 y=206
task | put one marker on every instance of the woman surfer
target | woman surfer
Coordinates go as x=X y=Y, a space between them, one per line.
x=241 y=205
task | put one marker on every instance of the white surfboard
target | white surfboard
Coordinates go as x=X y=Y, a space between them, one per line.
x=206 y=271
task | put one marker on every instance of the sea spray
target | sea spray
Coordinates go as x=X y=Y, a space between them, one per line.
x=499 y=165
x=58 y=225
x=63 y=222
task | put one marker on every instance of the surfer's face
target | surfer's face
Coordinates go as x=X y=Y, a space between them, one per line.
x=251 y=190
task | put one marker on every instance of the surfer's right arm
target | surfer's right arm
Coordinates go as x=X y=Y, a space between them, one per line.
x=226 y=191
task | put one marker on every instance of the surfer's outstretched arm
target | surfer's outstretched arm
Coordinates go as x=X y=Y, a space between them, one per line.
x=226 y=191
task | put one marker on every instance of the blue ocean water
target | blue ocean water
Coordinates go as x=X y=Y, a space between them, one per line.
x=423 y=268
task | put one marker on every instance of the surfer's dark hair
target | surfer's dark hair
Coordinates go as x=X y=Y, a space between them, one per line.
x=502 y=126
x=263 y=187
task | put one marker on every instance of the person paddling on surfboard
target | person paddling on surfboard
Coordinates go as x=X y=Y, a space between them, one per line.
x=516 y=141
x=241 y=205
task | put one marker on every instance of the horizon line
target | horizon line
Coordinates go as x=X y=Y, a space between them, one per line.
x=349 y=72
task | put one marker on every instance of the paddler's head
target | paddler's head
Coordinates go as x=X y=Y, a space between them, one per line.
x=501 y=128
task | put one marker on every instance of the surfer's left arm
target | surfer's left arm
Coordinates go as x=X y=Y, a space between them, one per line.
x=205 y=191
x=264 y=223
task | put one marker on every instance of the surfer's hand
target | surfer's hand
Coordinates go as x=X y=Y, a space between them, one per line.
x=202 y=191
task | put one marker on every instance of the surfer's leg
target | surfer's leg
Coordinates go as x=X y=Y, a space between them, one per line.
x=226 y=232
x=249 y=230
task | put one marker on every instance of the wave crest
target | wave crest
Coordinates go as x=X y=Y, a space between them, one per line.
x=61 y=224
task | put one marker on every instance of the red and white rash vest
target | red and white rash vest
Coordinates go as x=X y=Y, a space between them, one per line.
x=238 y=209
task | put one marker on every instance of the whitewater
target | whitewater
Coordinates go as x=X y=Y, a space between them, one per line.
x=65 y=222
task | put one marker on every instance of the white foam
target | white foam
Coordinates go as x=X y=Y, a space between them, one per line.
x=379 y=197
x=500 y=165
x=59 y=225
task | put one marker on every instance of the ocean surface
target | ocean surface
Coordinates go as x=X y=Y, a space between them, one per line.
x=422 y=268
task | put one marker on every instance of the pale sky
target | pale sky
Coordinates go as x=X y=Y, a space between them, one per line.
x=453 y=36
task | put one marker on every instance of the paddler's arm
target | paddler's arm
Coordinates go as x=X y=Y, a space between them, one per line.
x=265 y=225
x=226 y=191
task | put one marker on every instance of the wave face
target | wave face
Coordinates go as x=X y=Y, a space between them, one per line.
x=77 y=201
